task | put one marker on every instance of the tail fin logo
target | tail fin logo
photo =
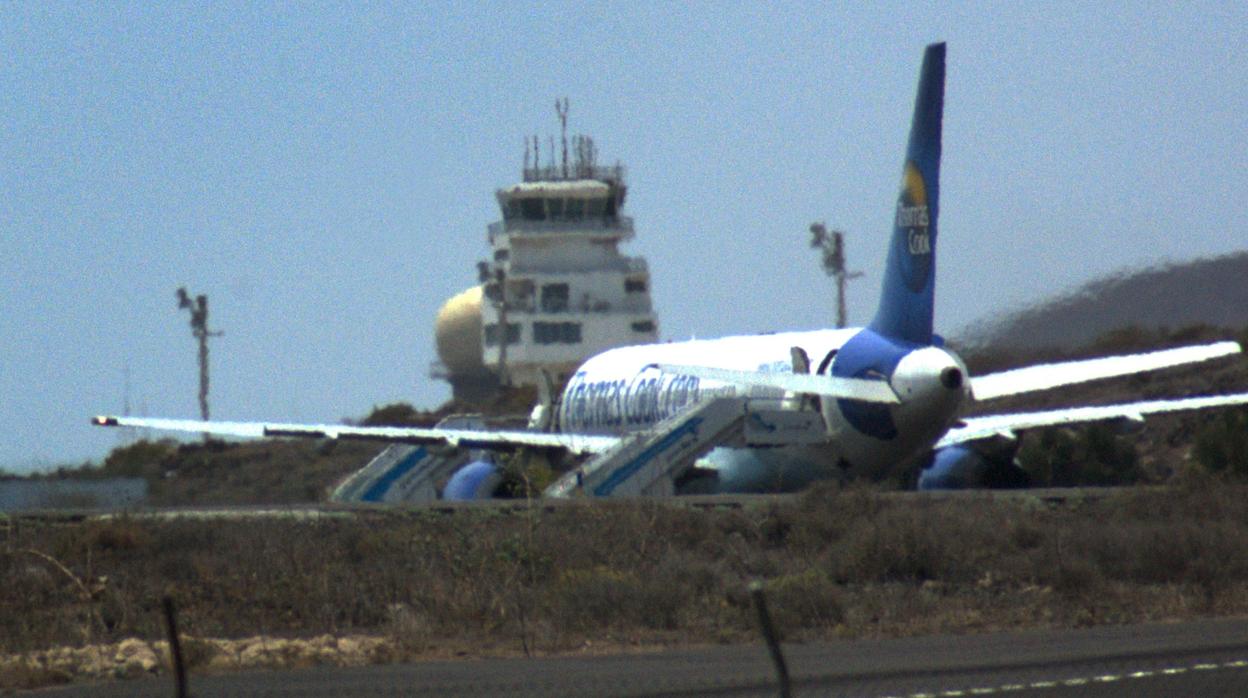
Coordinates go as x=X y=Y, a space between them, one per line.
x=913 y=219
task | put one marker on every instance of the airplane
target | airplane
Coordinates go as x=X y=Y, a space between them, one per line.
x=885 y=394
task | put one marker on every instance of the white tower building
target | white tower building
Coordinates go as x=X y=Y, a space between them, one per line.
x=557 y=289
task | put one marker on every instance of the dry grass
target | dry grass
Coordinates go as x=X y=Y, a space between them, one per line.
x=836 y=563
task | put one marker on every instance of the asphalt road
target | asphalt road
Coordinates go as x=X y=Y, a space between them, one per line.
x=1202 y=658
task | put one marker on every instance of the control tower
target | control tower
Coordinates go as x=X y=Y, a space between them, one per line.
x=556 y=289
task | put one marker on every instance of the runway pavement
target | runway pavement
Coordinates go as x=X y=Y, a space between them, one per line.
x=1206 y=658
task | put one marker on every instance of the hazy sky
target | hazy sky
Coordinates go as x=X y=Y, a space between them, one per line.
x=325 y=173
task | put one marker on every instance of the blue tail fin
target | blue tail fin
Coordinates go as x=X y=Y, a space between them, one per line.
x=905 y=310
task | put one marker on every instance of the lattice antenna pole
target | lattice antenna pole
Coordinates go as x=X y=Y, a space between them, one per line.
x=199 y=328
x=127 y=434
x=561 y=108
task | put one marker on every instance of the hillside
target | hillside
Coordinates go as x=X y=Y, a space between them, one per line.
x=1205 y=291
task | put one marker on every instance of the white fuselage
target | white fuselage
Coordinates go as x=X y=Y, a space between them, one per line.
x=621 y=390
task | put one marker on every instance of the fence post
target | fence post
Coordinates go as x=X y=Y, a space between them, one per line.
x=175 y=648
x=769 y=634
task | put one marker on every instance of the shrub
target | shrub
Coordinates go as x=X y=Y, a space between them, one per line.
x=807 y=599
x=398 y=414
x=141 y=459
x=1222 y=445
x=1093 y=455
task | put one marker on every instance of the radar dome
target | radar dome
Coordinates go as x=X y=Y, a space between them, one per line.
x=457 y=332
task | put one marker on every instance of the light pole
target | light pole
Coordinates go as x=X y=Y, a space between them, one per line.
x=499 y=300
x=199 y=328
x=832 y=244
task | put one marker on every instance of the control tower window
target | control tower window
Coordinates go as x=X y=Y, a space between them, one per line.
x=594 y=207
x=491 y=334
x=643 y=326
x=634 y=285
x=545 y=332
x=557 y=332
x=555 y=298
x=554 y=208
x=533 y=209
x=575 y=209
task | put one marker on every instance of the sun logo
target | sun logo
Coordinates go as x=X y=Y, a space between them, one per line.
x=913 y=222
x=912 y=204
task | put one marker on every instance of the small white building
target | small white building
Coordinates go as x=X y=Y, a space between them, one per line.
x=556 y=281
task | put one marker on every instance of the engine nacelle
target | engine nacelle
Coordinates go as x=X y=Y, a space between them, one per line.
x=757 y=470
x=479 y=479
x=962 y=467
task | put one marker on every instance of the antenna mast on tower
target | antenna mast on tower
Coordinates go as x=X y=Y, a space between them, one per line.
x=562 y=111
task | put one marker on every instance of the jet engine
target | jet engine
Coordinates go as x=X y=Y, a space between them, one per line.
x=479 y=479
x=965 y=467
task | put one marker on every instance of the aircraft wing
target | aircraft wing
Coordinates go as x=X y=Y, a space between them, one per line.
x=1045 y=376
x=978 y=428
x=579 y=444
x=829 y=386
